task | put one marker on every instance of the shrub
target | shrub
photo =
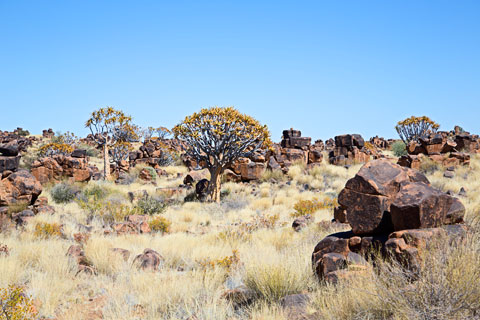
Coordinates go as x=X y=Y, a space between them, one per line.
x=399 y=148
x=22 y=132
x=151 y=205
x=160 y=224
x=225 y=262
x=47 y=230
x=50 y=149
x=63 y=193
x=413 y=128
x=304 y=207
x=15 y=304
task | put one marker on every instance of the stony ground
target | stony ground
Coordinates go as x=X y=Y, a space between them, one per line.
x=246 y=241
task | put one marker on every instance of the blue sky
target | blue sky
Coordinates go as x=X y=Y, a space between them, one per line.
x=325 y=67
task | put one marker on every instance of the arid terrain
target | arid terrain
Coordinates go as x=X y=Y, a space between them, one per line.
x=147 y=244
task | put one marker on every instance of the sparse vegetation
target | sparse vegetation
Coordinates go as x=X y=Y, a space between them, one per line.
x=63 y=193
x=399 y=148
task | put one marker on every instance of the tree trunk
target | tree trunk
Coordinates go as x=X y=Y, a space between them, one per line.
x=215 y=184
x=106 y=162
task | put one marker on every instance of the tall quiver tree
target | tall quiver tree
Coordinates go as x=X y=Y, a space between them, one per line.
x=218 y=137
x=108 y=126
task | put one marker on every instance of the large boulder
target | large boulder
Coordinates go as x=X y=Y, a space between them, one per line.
x=419 y=206
x=367 y=196
x=20 y=186
x=59 y=167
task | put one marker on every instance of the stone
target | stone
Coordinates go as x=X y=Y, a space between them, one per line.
x=9 y=164
x=79 y=153
x=148 y=260
x=201 y=189
x=240 y=296
x=251 y=171
x=340 y=214
x=9 y=149
x=301 y=222
x=448 y=174
x=456 y=212
x=418 y=205
x=20 y=186
x=194 y=176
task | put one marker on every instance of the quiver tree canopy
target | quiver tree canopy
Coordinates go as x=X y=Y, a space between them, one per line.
x=219 y=136
x=414 y=128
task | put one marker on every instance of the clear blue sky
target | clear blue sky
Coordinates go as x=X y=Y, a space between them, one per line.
x=325 y=67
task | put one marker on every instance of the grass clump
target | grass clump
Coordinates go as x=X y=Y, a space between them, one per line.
x=63 y=193
x=16 y=207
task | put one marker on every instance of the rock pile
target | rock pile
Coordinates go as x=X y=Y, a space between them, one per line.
x=391 y=209
x=294 y=148
x=349 y=149
x=48 y=133
x=445 y=148
x=58 y=167
x=156 y=152
x=381 y=143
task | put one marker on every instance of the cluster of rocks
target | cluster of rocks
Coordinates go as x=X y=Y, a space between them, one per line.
x=293 y=149
x=445 y=148
x=155 y=152
x=349 y=149
x=48 y=133
x=391 y=209
x=381 y=143
x=58 y=167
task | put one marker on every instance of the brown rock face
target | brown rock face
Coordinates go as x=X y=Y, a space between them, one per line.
x=148 y=260
x=419 y=206
x=367 y=197
x=20 y=186
x=58 y=167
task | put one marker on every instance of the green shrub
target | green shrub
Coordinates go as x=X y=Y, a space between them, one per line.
x=17 y=207
x=151 y=205
x=160 y=224
x=399 y=148
x=63 y=193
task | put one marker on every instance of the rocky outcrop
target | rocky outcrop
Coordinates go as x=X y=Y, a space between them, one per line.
x=384 y=203
x=349 y=149
x=20 y=186
x=148 y=260
x=59 y=167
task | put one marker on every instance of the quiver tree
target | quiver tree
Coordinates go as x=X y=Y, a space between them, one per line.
x=111 y=129
x=414 y=128
x=218 y=137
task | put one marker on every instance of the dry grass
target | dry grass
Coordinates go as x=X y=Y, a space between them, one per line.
x=254 y=221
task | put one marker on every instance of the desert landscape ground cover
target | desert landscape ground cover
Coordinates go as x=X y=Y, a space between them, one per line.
x=146 y=243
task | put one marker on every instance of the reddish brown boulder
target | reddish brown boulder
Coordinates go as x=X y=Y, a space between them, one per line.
x=148 y=260
x=20 y=186
x=418 y=205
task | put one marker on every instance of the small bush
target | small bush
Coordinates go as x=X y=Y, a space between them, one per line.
x=151 y=205
x=160 y=224
x=15 y=304
x=47 y=230
x=226 y=262
x=399 y=148
x=304 y=207
x=63 y=193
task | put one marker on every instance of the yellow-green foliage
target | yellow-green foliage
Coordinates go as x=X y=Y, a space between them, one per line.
x=411 y=129
x=160 y=224
x=53 y=148
x=304 y=207
x=15 y=304
x=47 y=230
x=225 y=262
